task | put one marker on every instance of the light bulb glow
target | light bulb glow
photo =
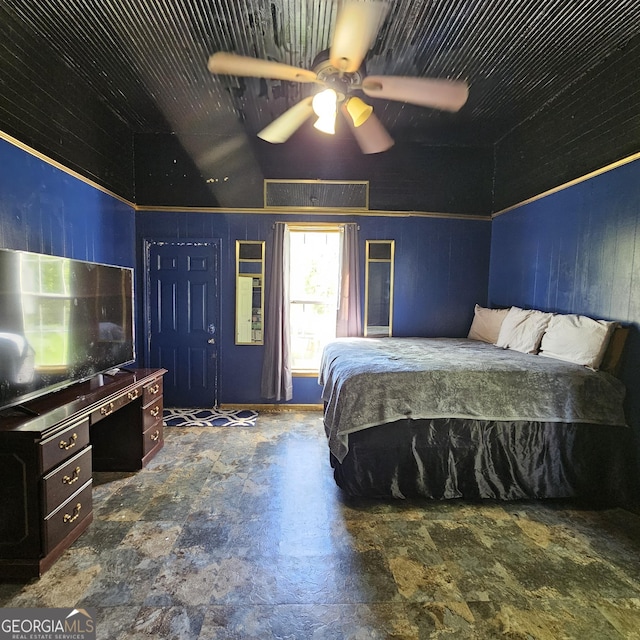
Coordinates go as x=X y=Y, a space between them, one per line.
x=326 y=124
x=325 y=103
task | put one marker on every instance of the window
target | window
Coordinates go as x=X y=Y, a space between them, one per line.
x=314 y=281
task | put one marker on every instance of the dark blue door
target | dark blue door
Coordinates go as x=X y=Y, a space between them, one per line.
x=183 y=319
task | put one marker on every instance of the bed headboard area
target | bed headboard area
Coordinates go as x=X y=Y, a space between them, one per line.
x=597 y=344
x=612 y=360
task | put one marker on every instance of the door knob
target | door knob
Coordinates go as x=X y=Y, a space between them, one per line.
x=211 y=341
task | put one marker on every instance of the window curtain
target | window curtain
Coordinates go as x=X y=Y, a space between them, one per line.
x=276 y=381
x=349 y=317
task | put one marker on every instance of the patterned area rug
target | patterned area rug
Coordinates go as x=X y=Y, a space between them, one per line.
x=209 y=418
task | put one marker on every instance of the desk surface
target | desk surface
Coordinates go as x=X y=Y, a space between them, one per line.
x=35 y=417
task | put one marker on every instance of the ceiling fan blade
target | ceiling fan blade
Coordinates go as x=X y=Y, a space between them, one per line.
x=282 y=128
x=234 y=65
x=371 y=136
x=356 y=27
x=448 y=95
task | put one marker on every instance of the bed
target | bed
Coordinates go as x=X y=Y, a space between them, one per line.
x=461 y=418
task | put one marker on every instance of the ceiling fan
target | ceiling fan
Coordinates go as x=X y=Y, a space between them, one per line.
x=340 y=70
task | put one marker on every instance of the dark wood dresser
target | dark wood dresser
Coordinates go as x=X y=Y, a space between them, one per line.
x=48 y=450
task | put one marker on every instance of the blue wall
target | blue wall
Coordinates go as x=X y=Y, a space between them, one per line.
x=577 y=251
x=441 y=271
x=46 y=210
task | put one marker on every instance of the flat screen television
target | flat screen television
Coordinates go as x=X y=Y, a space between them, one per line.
x=61 y=321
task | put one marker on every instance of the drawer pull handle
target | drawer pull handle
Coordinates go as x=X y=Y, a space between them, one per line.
x=70 y=518
x=69 y=445
x=132 y=395
x=74 y=477
x=107 y=409
x=155 y=411
x=155 y=435
x=154 y=389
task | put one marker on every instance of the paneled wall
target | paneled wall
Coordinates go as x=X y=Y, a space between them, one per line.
x=441 y=263
x=441 y=271
x=46 y=210
x=577 y=251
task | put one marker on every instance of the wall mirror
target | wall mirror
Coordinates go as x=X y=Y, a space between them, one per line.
x=249 y=291
x=378 y=302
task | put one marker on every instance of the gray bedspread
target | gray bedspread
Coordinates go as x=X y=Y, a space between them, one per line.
x=368 y=382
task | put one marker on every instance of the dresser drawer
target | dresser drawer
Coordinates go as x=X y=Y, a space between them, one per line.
x=152 y=391
x=151 y=438
x=69 y=515
x=107 y=408
x=64 y=444
x=151 y=414
x=65 y=480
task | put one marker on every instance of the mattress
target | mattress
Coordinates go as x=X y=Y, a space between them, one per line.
x=368 y=382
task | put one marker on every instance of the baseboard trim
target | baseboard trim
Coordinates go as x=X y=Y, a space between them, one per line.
x=274 y=408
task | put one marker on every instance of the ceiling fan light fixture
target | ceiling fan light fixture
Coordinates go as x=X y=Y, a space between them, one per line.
x=339 y=70
x=358 y=110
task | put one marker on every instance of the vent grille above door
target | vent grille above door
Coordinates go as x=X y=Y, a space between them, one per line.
x=316 y=194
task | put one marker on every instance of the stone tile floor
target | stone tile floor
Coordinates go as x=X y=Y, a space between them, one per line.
x=242 y=533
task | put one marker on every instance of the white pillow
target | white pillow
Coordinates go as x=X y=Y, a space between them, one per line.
x=522 y=329
x=577 y=339
x=486 y=324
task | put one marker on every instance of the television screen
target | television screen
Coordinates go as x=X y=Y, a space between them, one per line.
x=61 y=321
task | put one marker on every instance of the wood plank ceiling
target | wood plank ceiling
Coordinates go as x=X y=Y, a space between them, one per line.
x=145 y=60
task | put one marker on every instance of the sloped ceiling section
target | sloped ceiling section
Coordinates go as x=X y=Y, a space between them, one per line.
x=592 y=124
x=136 y=70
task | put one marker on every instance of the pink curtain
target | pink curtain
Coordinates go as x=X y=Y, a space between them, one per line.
x=349 y=317
x=276 y=383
